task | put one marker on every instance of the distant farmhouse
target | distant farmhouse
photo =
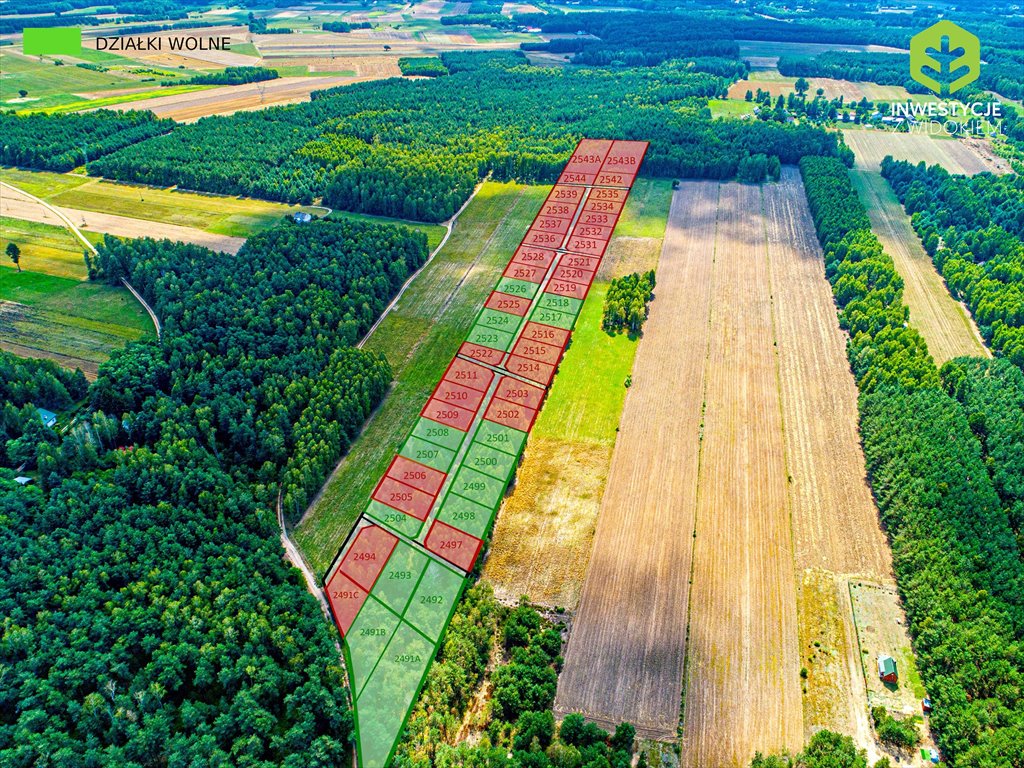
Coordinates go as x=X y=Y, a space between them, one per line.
x=49 y=418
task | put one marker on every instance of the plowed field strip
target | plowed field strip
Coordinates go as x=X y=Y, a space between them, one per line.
x=743 y=684
x=626 y=654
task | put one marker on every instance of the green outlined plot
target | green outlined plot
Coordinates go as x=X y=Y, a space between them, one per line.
x=515 y=287
x=478 y=487
x=394 y=519
x=398 y=580
x=435 y=599
x=431 y=454
x=384 y=701
x=494 y=435
x=367 y=639
x=490 y=461
x=440 y=434
x=490 y=337
x=469 y=516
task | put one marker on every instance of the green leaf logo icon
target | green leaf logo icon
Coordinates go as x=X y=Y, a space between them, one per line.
x=943 y=51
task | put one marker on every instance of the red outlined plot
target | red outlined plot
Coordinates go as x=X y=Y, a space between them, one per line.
x=450 y=393
x=545 y=333
x=607 y=195
x=346 y=598
x=590 y=263
x=483 y=354
x=537 y=350
x=531 y=274
x=448 y=414
x=513 y=415
x=531 y=256
x=593 y=231
x=566 y=288
x=543 y=239
x=563 y=209
x=516 y=305
x=588 y=246
x=404 y=498
x=610 y=207
x=516 y=391
x=468 y=374
x=534 y=370
x=367 y=555
x=565 y=194
x=621 y=163
x=550 y=224
x=573 y=274
x=419 y=476
x=585 y=162
x=455 y=546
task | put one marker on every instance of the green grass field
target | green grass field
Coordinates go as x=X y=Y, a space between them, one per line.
x=219 y=214
x=51 y=86
x=45 y=248
x=77 y=324
x=730 y=107
x=419 y=338
x=646 y=209
x=107 y=101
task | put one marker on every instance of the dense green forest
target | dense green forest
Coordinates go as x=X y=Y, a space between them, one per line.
x=956 y=558
x=992 y=395
x=149 y=616
x=415 y=149
x=625 y=304
x=64 y=141
x=972 y=227
x=524 y=651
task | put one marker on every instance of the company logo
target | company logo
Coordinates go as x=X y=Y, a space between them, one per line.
x=944 y=50
x=52 y=41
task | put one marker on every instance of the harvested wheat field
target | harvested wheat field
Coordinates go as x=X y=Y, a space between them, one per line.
x=743 y=654
x=836 y=531
x=945 y=324
x=627 y=648
x=737 y=468
x=189 y=107
x=956 y=156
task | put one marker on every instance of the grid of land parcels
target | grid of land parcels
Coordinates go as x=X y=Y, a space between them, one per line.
x=736 y=508
x=396 y=580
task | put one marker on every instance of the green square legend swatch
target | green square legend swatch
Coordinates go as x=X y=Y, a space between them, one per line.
x=42 y=41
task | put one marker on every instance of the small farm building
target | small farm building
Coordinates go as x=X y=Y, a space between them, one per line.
x=887 y=669
x=302 y=218
x=49 y=418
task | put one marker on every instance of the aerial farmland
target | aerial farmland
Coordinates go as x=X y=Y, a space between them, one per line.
x=511 y=385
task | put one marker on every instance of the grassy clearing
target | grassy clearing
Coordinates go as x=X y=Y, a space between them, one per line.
x=77 y=324
x=730 y=107
x=646 y=209
x=419 y=339
x=218 y=214
x=108 y=101
x=45 y=248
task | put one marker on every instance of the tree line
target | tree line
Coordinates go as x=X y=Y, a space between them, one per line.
x=416 y=149
x=230 y=76
x=972 y=228
x=422 y=66
x=957 y=562
x=64 y=141
x=153 y=532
